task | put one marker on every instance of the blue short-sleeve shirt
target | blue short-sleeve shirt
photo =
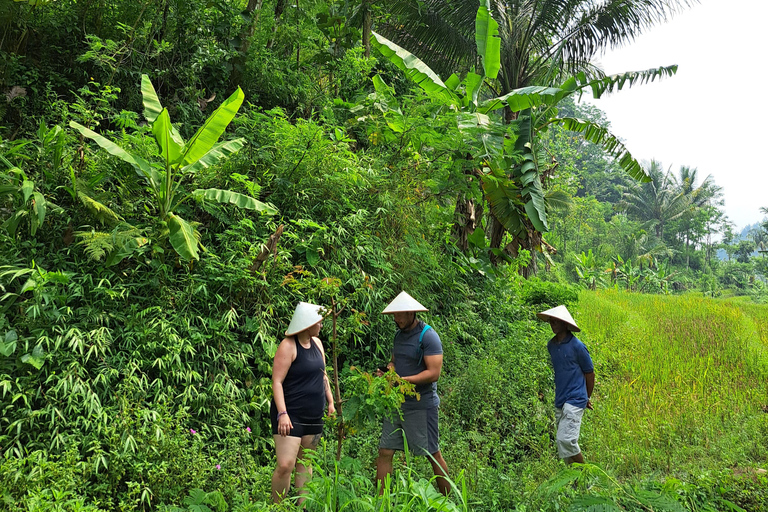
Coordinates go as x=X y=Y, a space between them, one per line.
x=571 y=361
x=409 y=360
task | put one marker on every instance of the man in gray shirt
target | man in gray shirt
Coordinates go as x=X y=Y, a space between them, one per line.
x=417 y=357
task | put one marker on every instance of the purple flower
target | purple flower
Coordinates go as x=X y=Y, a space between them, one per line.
x=192 y=431
x=248 y=429
x=218 y=466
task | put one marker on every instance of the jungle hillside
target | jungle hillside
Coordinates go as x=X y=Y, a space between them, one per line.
x=175 y=176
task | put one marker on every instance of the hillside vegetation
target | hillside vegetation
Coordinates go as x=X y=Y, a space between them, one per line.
x=176 y=175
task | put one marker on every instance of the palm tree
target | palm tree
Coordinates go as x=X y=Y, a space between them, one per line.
x=699 y=196
x=658 y=201
x=542 y=43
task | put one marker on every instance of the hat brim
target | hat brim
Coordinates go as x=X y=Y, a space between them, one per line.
x=571 y=327
x=302 y=330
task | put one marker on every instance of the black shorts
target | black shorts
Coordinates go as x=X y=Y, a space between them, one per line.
x=301 y=426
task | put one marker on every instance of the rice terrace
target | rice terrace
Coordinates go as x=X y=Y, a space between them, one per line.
x=380 y=256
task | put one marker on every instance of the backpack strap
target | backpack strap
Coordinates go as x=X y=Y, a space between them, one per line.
x=421 y=342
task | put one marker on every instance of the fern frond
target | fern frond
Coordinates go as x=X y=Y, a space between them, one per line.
x=103 y=213
x=96 y=244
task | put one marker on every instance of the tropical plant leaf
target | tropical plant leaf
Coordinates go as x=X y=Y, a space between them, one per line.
x=480 y=131
x=36 y=358
x=609 y=84
x=142 y=167
x=27 y=189
x=12 y=223
x=39 y=208
x=488 y=41
x=537 y=212
x=504 y=199
x=152 y=107
x=413 y=67
x=558 y=200
x=168 y=139
x=524 y=98
x=472 y=83
x=8 y=344
x=228 y=197
x=216 y=154
x=182 y=237
x=385 y=99
x=208 y=134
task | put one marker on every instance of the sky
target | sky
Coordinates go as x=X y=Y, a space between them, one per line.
x=711 y=115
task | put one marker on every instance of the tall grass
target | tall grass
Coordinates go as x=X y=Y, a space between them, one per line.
x=682 y=382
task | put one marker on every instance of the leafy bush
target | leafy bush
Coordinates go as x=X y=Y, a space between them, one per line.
x=540 y=294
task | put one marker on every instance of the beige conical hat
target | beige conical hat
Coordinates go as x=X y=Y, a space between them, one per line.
x=305 y=316
x=403 y=302
x=561 y=313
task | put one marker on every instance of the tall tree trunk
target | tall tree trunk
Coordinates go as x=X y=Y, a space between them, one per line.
x=367 y=24
x=238 y=63
x=279 y=9
x=465 y=222
x=496 y=233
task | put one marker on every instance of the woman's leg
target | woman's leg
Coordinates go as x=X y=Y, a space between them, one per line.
x=304 y=472
x=286 y=449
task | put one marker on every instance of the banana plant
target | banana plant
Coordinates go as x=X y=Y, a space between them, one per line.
x=511 y=162
x=179 y=161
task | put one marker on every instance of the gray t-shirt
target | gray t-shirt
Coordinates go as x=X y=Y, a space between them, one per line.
x=409 y=361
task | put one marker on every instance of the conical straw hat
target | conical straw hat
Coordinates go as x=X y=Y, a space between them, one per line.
x=403 y=302
x=305 y=316
x=561 y=313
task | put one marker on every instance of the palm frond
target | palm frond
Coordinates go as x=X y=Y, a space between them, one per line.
x=600 y=135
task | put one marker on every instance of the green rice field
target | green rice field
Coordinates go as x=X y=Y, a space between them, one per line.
x=682 y=383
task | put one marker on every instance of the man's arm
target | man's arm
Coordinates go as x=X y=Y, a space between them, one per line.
x=590 y=378
x=434 y=366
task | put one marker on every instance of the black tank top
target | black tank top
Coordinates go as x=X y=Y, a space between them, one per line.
x=304 y=387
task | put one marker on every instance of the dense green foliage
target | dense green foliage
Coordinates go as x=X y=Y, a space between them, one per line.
x=146 y=277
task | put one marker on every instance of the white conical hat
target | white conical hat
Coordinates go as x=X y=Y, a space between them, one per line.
x=305 y=316
x=561 y=313
x=403 y=302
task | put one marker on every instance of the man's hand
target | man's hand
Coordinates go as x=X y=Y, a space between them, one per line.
x=589 y=405
x=331 y=410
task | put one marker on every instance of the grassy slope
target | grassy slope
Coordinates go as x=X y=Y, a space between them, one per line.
x=681 y=382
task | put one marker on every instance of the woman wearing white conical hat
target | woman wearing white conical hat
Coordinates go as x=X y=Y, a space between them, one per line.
x=300 y=391
x=574 y=381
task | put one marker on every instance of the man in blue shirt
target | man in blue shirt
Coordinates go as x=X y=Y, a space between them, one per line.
x=417 y=357
x=574 y=381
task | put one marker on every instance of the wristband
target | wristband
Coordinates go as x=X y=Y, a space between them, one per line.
x=281 y=413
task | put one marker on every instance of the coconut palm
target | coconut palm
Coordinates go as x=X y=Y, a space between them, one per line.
x=658 y=201
x=699 y=196
x=542 y=41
